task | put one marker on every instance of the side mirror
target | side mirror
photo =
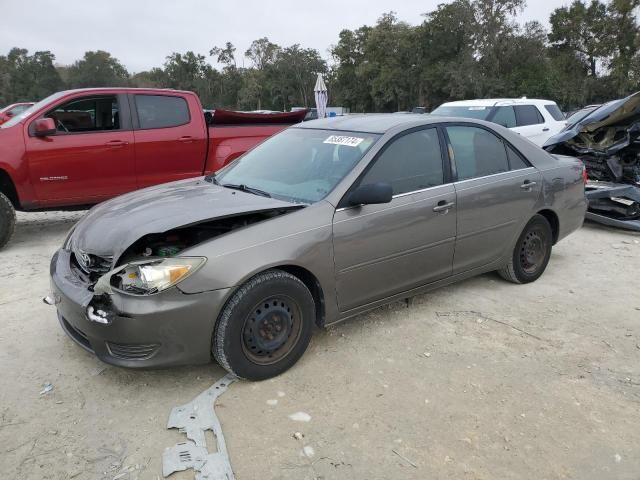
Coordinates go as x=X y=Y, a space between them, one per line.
x=372 y=193
x=44 y=127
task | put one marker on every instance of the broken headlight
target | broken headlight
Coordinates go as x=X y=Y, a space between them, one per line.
x=148 y=277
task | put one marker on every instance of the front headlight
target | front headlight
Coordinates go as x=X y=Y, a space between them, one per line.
x=150 y=276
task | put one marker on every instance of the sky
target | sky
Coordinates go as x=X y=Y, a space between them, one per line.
x=141 y=33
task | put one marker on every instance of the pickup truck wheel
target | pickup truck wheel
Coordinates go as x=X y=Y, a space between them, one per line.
x=265 y=327
x=531 y=253
x=7 y=220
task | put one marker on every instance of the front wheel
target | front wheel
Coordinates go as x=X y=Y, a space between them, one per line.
x=531 y=253
x=265 y=327
x=7 y=220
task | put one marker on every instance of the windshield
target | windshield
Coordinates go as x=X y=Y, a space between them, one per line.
x=33 y=108
x=299 y=165
x=481 y=113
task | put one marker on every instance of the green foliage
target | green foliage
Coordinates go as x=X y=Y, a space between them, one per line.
x=98 y=69
x=25 y=77
x=462 y=49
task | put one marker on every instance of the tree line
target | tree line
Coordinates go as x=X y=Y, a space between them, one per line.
x=463 y=49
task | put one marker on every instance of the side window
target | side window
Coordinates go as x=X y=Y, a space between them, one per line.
x=476 y=152
x=555 y=112
x=528 y=115
x=412 y=162
x=505 y=116
x=160 y=111
x=87 y=114
x=515 y=159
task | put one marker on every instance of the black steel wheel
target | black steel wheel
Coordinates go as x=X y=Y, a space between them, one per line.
x=531 y=253
x=265 y=327
x=271 y=330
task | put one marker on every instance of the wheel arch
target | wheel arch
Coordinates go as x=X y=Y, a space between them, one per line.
x=312 y=283
x=554 y=222
x=8 y=188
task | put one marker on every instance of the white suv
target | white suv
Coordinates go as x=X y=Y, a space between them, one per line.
x=536 y=120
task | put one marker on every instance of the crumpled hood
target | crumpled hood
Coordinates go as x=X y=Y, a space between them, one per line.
x=109 y=228
x=612 y=113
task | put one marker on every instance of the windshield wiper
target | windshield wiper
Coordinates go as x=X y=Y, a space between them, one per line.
x=244 y=188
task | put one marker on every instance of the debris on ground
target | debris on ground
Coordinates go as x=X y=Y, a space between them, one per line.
x=47 y=388
x=300 y=417
x=194 y=419
x=607 y=140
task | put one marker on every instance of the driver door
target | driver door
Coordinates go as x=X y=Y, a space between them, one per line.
x=91 y=157
x=381 y=250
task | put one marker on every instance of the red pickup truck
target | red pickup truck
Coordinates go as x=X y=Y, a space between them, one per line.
x=80 y=147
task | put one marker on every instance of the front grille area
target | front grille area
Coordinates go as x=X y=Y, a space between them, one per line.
x=93 y=264
x=132 y=352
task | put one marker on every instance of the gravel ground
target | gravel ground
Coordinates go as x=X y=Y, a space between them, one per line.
x=480 y=380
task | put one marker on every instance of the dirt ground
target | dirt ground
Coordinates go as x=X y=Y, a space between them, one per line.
x=480 y=380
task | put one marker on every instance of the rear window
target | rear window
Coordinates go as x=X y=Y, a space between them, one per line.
x=481 y=113
x=160 y=111
x=555 y=112
x=528 y=115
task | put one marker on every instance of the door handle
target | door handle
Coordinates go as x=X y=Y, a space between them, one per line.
x=116 y=143
x=443 y=206
x=186 y=139
x=545 y=129
x=527 y=185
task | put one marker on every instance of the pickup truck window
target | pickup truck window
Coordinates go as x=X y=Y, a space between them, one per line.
x=161 y=111
x=87 y=114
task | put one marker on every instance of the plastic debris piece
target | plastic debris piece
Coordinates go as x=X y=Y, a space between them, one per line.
x=193 y=419
x=300 y=417
x=47 y=388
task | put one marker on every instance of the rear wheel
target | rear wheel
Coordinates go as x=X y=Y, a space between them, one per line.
x=7 y=220
x=265 y=327
x=531 y=253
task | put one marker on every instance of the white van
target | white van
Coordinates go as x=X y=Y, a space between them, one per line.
x=536 y=120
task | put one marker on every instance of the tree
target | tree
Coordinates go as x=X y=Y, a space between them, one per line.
x=262 y=53
x=624 y=35
x=98 y=69
x=25 y=77
x=583 y=30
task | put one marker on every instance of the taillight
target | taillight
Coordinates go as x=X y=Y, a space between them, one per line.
x=585 y=177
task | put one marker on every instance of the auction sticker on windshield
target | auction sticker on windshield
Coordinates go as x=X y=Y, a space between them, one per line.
x=342 y=140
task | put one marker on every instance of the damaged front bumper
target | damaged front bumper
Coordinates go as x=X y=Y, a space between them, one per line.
x=166 y=329
x=614 y=204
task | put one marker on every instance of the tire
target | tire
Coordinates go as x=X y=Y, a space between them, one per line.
x=265 y=327
x=531 y=253
x=7 y=220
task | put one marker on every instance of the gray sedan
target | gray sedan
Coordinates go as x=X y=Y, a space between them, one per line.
x=319 y=223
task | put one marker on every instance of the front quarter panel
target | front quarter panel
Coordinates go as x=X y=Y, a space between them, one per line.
x=301 y=238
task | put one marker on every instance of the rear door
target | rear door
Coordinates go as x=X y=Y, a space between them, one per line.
x=380 y=250
x=170 y=138
x=531 y=124
x=91 y=157
x=496 y=190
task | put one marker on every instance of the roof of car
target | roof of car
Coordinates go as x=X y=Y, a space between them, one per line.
x=490 y=102
x=371 y=123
